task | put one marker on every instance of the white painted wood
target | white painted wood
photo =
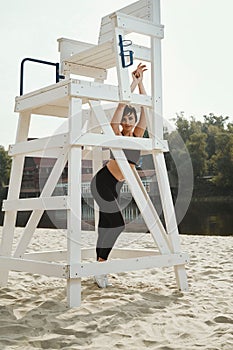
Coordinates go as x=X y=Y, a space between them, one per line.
x=125 y=253
x=140 y=9
x=53 y=110
x=89 y=253
x=36 y=214
x=156 y=77
x=106 y=140
x=122 y=73
x=94 y=61
x=49 y=255
x=37 y=267
x=41 y=97
x=13 y=193
x=140 y=26
x=101 y=118
x=170 y=217
x=44 y=203
x=123 y=265
x=79 y=88
x=55 y=141
x=74 y=214
x=84 y=70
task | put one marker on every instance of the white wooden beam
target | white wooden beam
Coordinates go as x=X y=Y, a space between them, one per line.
x=74 y=214
x=124 y=90
x=42 y=203
x=41 y=97
x=43 y=143
x=137 y=25
x=105 y=140
x=124 y=265
x=76 y=88
x=35 y=267
x=170 y=217
x=84 y=70
x=49 y=255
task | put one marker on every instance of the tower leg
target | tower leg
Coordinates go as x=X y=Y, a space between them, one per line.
x=74 y=214
x=13 y=193
x=170 y=217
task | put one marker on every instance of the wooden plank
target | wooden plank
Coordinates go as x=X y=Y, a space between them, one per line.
x=101 y=59
x=43 y=143
x=122 y=74
x=35 y=267
x=50 y=255
x=140 y=9
x=170 y=217
x=93 y=51
x=119 y=142
x=53 y=110
x=140 y=26
x=124 y=265
x=156 y=78
x=27 y=204
x=125 y=253
x=41 y=97
x=74 y=214
x=85 y=70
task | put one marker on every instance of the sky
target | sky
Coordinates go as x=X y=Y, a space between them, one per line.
x=197 y=53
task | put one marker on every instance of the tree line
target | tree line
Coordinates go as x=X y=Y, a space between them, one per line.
x=210 y=146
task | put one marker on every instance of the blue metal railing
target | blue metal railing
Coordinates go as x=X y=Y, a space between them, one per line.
x=56 y=65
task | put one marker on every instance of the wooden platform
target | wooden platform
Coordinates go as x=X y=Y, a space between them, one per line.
x=54 y=99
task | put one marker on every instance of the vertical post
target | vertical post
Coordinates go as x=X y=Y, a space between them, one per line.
x=156 y=76
x=170 y=217
x=122 y=73
x=13 y=193
x=159 y=161
x=74 y=213
x=97 y=164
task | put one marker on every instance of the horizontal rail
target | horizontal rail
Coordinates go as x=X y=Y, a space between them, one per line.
x=41 y=203
x=34 y=267
x=44 y=143
x=124 y=265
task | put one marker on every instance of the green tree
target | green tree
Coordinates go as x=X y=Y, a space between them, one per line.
x=183 y=127
x=197 y=150
x=5 y=164
x=223 y=160
x=212 y=119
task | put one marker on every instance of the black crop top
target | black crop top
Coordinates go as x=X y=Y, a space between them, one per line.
x=132 y=155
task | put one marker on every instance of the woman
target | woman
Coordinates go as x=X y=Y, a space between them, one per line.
x=107 y=183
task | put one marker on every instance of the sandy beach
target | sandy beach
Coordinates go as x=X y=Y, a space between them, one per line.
x=143 y=309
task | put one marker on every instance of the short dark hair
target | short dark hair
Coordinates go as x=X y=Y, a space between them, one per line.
x=130 y=110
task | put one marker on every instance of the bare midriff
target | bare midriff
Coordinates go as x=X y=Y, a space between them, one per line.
x=114 y=169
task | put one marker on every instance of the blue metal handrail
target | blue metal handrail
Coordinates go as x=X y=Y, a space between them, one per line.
x=58 y=76
x=125 y=53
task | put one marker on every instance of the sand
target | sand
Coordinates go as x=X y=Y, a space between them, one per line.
x=143 y=309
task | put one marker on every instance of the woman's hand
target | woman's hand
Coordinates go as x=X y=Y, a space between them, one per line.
x=137 y=75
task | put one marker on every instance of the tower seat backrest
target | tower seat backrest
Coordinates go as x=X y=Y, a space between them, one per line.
x=141 y=9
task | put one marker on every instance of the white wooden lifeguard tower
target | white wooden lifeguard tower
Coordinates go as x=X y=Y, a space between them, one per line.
x=66 y=99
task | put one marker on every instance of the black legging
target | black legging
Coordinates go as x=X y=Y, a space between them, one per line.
x=105 y=189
